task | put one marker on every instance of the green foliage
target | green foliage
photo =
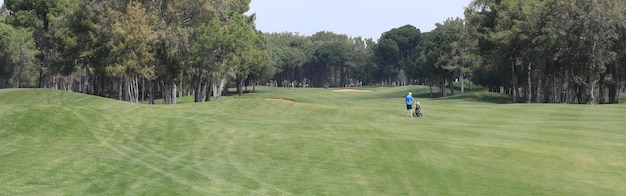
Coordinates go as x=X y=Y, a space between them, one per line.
x=39 y=9
x=132 y=43
x=18 y=63
x=289 y=52
x=397 y=52
x=305 y=59
x=205 y=50
x=289 y=57
x=569 y=43
x=76 y=40
x=266 y=68
x=330 y=54
x=449 y=52
x=132 y=40
x=24 y=19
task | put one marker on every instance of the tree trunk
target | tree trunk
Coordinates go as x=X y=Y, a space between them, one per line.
x=180 y=90
x=514 y=82
x=462 y=79
x=85 y=81
x=121 y=88
x=169 y=92
x=615 y=87
x=443 y=87
x=135 y=88
x=129 y=88
x=240 y=87
x=41 y=77
x=214 y=87
x=254 y=86
x=619 y=90
x=143 y=89
x=558 y=90
x=166 y=92
x=151 y=97
x=208 y=89
x=451 y=85
x=246 y=84
x=540 y=83
x=198 y=88
x=570 y=90
x=602 y=94
x=529 y=94
x=430 y=85
x=221 y=86
x=174 y=93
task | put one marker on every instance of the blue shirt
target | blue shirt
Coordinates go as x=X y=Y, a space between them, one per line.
x=409 y=100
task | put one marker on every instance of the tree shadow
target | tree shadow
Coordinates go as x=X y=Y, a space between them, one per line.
x=486 y=97
x=474 y=96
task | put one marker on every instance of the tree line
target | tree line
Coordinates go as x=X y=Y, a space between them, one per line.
x=557 y=51
x=544 y=51
x=129 y=49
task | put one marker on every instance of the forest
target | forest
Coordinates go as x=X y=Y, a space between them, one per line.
x=536 y=51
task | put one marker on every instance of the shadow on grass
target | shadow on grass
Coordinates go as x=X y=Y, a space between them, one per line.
x=486 y=97
x=475 y=94
x=423 y=92
x=417 y=91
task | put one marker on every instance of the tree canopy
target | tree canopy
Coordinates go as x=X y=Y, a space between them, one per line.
x=535 y=51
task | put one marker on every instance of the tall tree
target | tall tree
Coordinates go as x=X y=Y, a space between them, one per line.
x=251 y=54
x=329 y=57
x=567 y=47
x=504 y=28
x=76 y=44
x=396 y=52
x=265 y=68
x=289 y=52
x=37 y=14
x=177 y=20
x=426 y=68
x=132 y=43
x=222 y=49
x=590 y=30
x=455 y=51
x=18 y=65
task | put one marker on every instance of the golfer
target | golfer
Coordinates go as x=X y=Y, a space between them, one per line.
x=409 y=105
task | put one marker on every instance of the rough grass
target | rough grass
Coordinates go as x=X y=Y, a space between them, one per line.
x=321 y=143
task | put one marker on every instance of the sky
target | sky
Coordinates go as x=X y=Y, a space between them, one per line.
x=364 y=18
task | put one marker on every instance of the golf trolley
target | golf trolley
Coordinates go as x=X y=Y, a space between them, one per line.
x=418 y=111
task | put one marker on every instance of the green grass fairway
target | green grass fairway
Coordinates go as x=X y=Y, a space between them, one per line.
x=321 y=143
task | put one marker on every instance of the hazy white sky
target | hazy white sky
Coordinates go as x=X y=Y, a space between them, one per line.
x=365 y=18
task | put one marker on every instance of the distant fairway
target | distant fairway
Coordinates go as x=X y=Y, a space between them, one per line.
x=308 y=142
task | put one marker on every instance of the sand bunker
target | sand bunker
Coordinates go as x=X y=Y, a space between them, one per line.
x=350 y=90
x=281 y=100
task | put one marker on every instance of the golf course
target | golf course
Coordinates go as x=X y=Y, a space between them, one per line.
x=313 y=141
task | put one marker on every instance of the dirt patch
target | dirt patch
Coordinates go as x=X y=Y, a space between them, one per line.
x=281 y=100
x=350 y=90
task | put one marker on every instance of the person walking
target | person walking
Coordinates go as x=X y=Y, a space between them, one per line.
x=409 y=105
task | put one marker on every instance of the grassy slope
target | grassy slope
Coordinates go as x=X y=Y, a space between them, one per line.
x=54 y=142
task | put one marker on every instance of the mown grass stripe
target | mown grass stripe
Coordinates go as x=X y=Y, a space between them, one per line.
x=323 y=143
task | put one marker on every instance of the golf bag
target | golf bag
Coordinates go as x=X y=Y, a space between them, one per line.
x=418 y=111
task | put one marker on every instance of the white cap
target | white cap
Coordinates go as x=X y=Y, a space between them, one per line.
x=409 y=93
